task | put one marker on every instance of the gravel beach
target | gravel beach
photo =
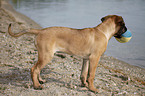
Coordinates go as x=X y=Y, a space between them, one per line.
x=18 y=55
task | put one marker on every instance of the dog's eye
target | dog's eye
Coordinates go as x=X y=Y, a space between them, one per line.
x=121 y=23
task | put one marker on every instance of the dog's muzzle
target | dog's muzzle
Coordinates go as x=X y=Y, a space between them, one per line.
x=122 y=30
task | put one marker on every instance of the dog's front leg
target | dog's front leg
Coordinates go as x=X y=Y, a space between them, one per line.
x=92 y=69
x=84 y=73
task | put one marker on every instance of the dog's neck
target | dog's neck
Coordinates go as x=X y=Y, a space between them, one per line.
x=107 y=28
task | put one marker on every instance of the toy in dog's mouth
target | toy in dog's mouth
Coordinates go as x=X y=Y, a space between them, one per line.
x=125 y=37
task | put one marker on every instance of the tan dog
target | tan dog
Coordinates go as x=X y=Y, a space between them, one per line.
x=90 y=43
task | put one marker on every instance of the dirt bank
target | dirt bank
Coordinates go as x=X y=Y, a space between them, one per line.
x=17 y=56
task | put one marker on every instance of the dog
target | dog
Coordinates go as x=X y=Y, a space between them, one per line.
x=89 y=43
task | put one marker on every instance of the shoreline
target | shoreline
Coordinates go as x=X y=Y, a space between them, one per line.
x=18 y=56
x=18 y=16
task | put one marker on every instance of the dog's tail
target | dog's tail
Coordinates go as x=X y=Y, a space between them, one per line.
x=30 y=31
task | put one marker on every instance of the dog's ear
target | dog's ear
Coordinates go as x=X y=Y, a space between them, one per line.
x=105 y=18
x=119 y=20
x=102 y=19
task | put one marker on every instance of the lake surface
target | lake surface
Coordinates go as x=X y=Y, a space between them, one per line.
x=87 y=13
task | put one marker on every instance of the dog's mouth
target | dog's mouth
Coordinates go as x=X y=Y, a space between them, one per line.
x=122 y=30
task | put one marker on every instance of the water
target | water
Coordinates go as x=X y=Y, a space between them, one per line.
x=87 y=13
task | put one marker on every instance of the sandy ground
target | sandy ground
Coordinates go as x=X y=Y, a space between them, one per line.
x=18 y=55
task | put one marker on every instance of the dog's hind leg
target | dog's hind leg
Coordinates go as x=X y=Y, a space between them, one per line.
x=41 y=81
x=45 y=55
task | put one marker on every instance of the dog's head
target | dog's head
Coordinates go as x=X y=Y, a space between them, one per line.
x=120 y=24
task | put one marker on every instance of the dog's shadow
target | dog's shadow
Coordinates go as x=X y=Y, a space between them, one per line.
x=21 y=77
x=69 y=83
x=15 y=76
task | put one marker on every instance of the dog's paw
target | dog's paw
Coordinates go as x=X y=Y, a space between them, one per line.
x=42 y=81
x=93 y=90
x=39 y=87
x=84 y=84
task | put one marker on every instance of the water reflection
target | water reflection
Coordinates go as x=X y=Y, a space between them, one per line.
x=34 y=1
x=39 y=4
x=16 y=1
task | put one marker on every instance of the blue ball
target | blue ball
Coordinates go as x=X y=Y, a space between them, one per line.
x=125 y=37
x=127 y=34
